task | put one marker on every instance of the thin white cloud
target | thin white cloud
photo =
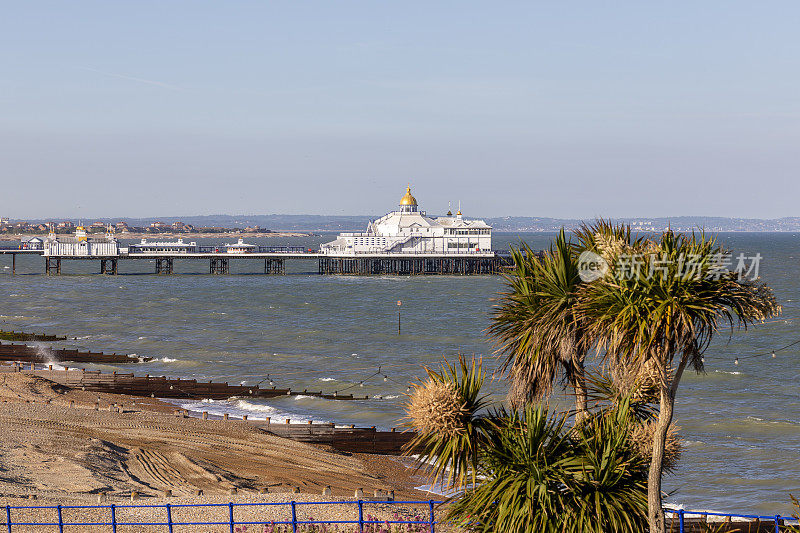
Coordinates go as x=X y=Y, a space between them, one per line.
x=133 y=78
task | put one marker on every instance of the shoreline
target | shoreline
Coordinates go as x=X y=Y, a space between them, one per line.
x=59 y=446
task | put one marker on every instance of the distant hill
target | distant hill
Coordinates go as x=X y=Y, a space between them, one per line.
x=334 y=223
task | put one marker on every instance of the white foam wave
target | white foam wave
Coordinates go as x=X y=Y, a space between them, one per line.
x=236 y=408
x=167 y=359
x=327 y=379
x=726 y=372
x=260 y=408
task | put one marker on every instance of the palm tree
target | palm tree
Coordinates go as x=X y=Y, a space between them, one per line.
x=535 y=326
x=525 y=469
x=664 y=317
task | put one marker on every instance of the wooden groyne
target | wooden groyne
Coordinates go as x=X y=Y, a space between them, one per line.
x=352 y=439
x=164 y=387
x=33 y=354
x=20 y=336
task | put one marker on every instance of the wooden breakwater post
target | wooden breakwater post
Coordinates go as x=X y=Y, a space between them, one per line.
x=28 y=354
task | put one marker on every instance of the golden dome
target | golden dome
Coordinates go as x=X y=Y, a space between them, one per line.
x=407 y=199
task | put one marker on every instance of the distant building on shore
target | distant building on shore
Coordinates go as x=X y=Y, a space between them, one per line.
x=408 y=230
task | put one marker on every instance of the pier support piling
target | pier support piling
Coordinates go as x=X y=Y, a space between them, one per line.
x=274 y=266
x=52 y=266
x=108 y=266
x=164 y=265
x=13 y=264
x=218 y=265
x=409 y=266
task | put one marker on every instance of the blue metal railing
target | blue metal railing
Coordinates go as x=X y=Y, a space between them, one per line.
x=683 y=516
x=426 y=525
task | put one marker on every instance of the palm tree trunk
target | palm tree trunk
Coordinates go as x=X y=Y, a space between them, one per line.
x=655 y=509
x=581 y=409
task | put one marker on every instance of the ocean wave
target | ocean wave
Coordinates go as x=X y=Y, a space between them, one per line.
x=327 y=379
x=776 y=421
x=734 y=373
x=236 y=408
x=257 y=407
x=166 y=359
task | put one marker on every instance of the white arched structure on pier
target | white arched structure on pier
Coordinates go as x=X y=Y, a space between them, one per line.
x=410 y=231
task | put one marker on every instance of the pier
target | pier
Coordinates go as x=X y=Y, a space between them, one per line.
x=274 y=261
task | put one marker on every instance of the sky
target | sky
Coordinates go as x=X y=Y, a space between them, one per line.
x=551 y=109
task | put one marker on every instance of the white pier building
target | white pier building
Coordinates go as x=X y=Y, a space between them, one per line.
x=410 y=231
x=81 y=245
x=176 y=247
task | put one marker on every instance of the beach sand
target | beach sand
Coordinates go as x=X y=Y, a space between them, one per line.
x=68 y=455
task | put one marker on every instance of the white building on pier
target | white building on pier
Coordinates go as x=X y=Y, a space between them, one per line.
x=240 y=247
x=410 y=231
x=159 y=247
x=81 y=245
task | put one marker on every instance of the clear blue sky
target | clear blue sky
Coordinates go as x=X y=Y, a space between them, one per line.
x=563 y=109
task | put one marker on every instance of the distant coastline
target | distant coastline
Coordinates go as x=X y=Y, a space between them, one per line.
x=184 y=236
x=303 y=224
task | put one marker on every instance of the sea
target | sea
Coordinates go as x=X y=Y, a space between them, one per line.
x=740 y=422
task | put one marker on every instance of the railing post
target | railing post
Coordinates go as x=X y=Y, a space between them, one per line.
x=8 y=517
x=777 y=527
x=430 y=503
x=113 y=518
x=230 y=515
x=60 y=520
x=680 y=520
x=360 y=516
x=169 y=517
x=294 y=517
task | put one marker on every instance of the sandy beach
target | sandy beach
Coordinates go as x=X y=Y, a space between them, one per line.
x=58 y=449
